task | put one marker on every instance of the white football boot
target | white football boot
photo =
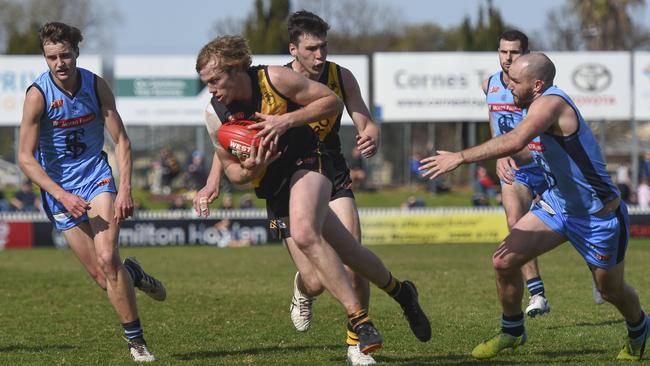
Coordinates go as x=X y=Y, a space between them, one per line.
x=358 y=358
x=537 y=305
x=301 y=308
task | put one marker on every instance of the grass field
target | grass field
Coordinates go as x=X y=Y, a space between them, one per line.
x=230 y=307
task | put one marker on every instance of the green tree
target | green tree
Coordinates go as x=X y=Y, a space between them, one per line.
x=21 y=20
x=482 y=36
x=266 y=27
x=597 y=25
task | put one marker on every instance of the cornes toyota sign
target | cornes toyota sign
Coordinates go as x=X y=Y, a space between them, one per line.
x=431 y=86
x=18 y=72
x=446 y=86
x=598 y=82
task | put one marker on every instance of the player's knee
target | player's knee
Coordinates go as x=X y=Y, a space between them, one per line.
x=611 y=292
x=109 y=263
x=304 y=237
x=503 y=263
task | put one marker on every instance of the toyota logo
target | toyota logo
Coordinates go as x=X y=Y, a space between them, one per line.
x=592 y=78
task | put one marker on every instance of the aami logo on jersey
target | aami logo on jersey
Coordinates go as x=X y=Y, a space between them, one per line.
x=504 y=108
x=57 y=103
x=494 y=89
x=536 y=146
x=73 y=122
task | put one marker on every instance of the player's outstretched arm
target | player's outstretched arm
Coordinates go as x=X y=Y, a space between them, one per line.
x=210 y=191
x=115 y=127
x=368 y=131
x=33 y=108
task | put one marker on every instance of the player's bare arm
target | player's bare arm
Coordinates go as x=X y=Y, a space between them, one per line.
x=210 y=191
x=318 y=100
x=368 y=130
x=115 y=127
x=244 y=171
x=33 y=108
x=542 y=115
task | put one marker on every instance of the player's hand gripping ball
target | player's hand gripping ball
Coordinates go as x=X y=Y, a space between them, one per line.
x=236 y=138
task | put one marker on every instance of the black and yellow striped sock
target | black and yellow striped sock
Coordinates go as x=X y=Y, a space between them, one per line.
x=393 y=287
x=352 y=338
x=358 y=317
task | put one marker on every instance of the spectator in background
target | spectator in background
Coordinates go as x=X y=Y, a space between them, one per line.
x=357 y=171
x=480 y=199
x=196 y=175
x=246 y=202
x=413 y=202
x=643 y=193
x=645 y=165
x=24 y=199
x=4 y=204
x=623 y=181
x=166 y=168
x=178 y=203
x=227 y=202
x=483 y=183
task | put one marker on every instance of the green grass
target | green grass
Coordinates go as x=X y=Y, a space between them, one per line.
x=392 y=197
x=230 y=307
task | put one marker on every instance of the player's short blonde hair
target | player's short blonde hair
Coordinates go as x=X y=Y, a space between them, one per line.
x=231 y=52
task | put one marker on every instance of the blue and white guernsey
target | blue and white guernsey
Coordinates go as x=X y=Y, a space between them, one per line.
x=574 y=167
x=504 y=114
x=72 y=132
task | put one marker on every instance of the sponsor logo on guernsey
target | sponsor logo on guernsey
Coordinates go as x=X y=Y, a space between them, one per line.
x=57 y=103
x=536 y=146
x=495 y=89
x=308 y=160
x=103 y=182
x=504 y=108
x=73 y=122
x=602 y=257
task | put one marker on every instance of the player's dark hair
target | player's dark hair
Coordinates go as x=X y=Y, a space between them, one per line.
x=55 y=32
x=305 y=22
x=515 y=35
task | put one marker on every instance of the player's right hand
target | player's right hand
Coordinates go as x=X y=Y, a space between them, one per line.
x=506 y=168
x=203 y=199
x=75 y=205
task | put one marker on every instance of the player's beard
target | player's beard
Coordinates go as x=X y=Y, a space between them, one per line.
x=524 y=100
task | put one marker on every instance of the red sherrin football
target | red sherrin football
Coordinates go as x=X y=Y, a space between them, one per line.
x=236 y=138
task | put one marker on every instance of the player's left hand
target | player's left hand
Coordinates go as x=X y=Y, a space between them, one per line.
x=123 y=206
x=367 y=145
x=270 y=127
x=436 y=165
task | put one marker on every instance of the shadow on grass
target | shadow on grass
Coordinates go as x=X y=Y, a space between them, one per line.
x=449 y=360
x=24 y=348
x=249 y=351
x=588 y=324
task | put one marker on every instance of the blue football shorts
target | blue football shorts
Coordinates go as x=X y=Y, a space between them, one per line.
x=601 y=241
x=532 y=177
x=59 y=215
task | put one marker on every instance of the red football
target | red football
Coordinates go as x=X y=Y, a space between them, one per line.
x=236 y=138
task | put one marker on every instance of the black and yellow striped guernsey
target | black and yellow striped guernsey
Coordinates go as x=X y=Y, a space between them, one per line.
x=267 y=99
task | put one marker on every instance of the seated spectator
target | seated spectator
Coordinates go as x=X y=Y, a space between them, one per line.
x=413 y=202
x=483 y=183
x=227 y=202
x=643 y=193
x=196 y=175
x=357 y=171
x=178 y=203
x=246 y=202
x=24 y=199
x=166 y=168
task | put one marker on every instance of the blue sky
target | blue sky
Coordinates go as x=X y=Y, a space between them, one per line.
x=182 y=27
